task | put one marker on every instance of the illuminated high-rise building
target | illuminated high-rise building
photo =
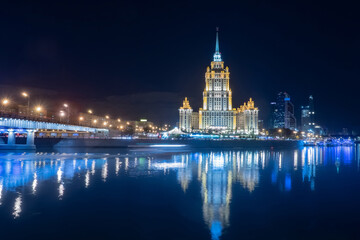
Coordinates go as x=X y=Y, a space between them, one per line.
x=185 y=116
x=217 y=112
x=308 y=116
x=283 y=112
x=247 y=118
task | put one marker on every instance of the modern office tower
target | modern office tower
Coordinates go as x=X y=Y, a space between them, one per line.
x=311 y=111
x=283 y=112
x=185 y=116
x=308 y=116
x=273 y=114
x=217 y=112
x=247 y=119
x=305 y=118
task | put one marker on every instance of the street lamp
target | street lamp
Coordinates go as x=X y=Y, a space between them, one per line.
x=26 y=95
x=4 y=103
x=38 y=109
x=62 y=114
x=90 y=111
x=107 y=117
x=68 y=111
x=81 y=119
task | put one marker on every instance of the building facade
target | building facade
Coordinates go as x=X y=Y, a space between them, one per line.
x=185 y=114
x=308 y=116
x=283 y=112
x=217 y=112
x=247 y=119
x=195 y=121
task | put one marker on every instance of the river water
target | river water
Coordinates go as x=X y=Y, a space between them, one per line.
x=306 y=193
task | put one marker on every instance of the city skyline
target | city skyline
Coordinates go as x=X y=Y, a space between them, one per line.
x=295 y=58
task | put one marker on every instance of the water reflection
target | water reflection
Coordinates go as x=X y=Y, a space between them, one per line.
x=217 y=173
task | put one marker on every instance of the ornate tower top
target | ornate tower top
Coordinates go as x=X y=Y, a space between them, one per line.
x=186 y=104
x=249 y=106
x=217 y=54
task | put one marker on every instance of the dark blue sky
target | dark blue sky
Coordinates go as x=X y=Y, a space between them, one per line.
x=139 y=59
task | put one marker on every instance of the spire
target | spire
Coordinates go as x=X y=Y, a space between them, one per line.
x=217 y=54
x=217 y=40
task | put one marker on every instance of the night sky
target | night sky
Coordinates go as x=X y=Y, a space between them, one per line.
x=140 y=59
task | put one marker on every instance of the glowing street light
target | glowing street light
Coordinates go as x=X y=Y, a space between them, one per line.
x=38 y=109
x=68 y=111
x=90 y=111
x=27 y=95
x=107 y=117
x=5 y=101
x=81 y=119
x=62 y=114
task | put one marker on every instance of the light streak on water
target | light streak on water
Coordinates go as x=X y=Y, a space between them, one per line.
x=17 y=207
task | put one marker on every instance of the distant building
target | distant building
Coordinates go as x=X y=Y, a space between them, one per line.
x=23 y=110
x=247 y=119
x=185 y=116
x=308 y=116
x=195 y=121
x=283 y=112
x=273 y=114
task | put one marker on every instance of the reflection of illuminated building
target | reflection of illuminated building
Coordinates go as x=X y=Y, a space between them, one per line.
x=15 y=172
x=184 y=174
x=216 y=172
x=248 y=173
x=216 y=184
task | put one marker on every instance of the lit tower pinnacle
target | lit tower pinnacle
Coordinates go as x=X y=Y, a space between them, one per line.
x=217 y=54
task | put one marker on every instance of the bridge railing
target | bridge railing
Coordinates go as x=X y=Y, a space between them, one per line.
x=41 y=119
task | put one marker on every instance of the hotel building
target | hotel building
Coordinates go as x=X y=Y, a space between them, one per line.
x=217 y=113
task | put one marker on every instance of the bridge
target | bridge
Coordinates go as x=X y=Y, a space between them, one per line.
x=11 y=126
